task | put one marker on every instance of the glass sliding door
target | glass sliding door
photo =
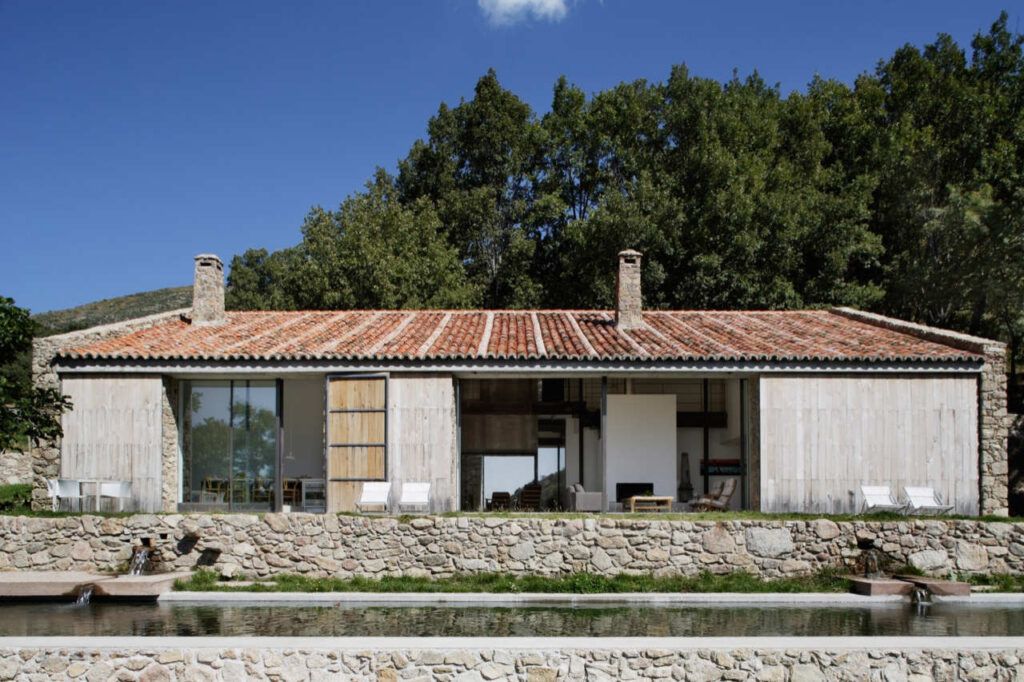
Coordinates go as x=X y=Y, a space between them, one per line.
x=230 y=444
x=206 y=449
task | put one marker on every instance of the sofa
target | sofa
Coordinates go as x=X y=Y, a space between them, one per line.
x=582 y=501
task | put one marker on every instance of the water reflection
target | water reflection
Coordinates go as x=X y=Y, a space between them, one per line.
x=548 y=621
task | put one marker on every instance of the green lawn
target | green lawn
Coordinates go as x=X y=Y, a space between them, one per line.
x=1001 y=582
x=721 y=516
x=577 y=583
x=701 y=516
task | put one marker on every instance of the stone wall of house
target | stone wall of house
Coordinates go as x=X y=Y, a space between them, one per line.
x=312 y=662
x=169 y=475
x=437 y=546
x=46 y=457
x=16 y=466
x=993 y=419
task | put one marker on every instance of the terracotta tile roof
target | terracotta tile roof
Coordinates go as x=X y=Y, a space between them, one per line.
x=807 y=335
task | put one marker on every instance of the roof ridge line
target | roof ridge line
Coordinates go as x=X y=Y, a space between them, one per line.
x=944 y=337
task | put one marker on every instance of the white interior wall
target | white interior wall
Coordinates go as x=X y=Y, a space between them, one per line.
x=640 y=442
x=593 y=476
x=572 y=447
x=304 y=428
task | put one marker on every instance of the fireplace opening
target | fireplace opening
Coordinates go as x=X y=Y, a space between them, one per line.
x=624 y=491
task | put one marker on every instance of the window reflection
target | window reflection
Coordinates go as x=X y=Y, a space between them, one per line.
x=230 y=444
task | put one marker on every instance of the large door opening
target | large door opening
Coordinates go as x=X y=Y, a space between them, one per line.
x=356 y=437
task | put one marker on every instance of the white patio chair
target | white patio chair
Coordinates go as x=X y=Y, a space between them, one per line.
x=415 y=495
x=71 y=490
x=53 y=492
x=375 y=494
x=922 y=500
x=121 y=491
x=879 y=498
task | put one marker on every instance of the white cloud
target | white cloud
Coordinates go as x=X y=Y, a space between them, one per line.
x=504 y=12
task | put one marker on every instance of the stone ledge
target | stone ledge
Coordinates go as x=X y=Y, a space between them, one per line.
x=529 y=659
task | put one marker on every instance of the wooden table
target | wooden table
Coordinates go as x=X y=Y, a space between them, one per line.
x=650 y=503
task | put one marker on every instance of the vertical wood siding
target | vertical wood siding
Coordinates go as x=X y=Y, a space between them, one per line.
x=821 y=438
x=355 y=439
x=421 y=436
x=114 y=432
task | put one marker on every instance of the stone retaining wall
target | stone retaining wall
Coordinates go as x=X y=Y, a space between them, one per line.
x=346 y=546
x=16 y=466
x=474 y=665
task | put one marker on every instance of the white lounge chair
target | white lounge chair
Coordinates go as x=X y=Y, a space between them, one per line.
x=415 y=495
x=53 y=492
x=879 y=498
x=922 y=500
x=120 y=491
x=71 y=490
x=718 y=500
x=375 y=495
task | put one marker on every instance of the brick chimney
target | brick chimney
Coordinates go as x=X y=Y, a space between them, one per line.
x=208 y=291
x=628 y=297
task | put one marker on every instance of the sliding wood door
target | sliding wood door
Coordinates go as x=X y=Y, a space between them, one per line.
x=356 y=437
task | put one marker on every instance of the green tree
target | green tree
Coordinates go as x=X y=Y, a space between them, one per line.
x=477 y=168
x=26 y=411
x=949 y=140
x=901 y=193
x=373 y=252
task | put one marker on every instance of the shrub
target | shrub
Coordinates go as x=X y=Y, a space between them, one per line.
x=15 y=497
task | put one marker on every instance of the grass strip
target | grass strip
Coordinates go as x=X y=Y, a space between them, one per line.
x=999 y=582
x=500 y=583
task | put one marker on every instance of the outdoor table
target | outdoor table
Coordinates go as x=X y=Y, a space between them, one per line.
x=650 y=503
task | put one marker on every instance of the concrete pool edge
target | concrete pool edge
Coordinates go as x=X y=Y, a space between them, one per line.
x=846 y=643
x=528 y=598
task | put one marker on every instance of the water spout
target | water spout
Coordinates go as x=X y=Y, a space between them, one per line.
x=139 y=562
x=872 y=567
x=921 y=598
x=84 y=595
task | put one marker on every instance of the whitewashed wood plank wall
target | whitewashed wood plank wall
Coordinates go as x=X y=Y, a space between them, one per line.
x=422 y=439
x=114 y=432
x=821 y=438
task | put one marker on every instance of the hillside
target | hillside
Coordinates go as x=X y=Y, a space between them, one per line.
x=114 y=310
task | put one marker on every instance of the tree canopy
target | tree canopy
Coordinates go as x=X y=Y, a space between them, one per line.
x=27 y=412
x=900 y=193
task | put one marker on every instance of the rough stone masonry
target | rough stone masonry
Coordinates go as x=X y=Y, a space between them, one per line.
x=440 y=546
x=600 y=664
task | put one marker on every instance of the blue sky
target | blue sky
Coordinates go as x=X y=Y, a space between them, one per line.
x=137 y=134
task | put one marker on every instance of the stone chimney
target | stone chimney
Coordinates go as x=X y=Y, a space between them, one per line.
x=628 y=297
x=208 y=291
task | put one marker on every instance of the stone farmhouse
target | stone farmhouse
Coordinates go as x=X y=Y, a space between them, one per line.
x=208 y=409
